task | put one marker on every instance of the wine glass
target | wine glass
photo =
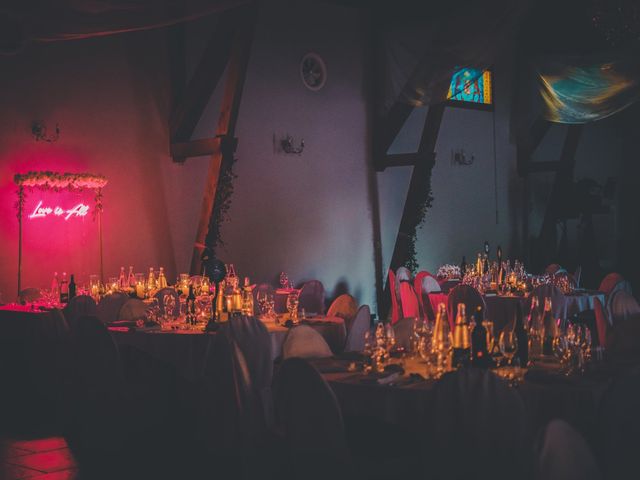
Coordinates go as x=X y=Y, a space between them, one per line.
x=292 y=305
x=270 y=304
x=169 y=303
x=284 y=280
x=508 y=344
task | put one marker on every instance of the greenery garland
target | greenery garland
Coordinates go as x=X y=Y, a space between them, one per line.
x=60 y=181
x=418 y=207
x=221 y=206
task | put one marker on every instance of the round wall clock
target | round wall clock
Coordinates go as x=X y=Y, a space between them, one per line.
x=313 y=71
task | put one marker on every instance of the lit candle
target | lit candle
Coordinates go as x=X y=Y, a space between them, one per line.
x=139 y=290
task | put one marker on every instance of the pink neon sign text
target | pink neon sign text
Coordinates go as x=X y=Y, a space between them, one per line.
x=79 y=210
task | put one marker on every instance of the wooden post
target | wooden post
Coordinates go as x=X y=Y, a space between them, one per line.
x=20 y=205
x=226 y=129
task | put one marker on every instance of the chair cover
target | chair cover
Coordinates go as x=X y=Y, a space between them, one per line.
x=97 y=356
x=263 y=287
x=312 y=297
x=310 y=418
x=238 y=369
x=133 y=309
x=477 y=420
x=623 y=306
x=395 y=308
x=109 y=306
x=620 y=426
x=253 y=340
x=553 y=268
x=77 y=307
x=469 y=296
x=345 y=307
x=28 y=295
x=409 y=301
x=609 y=282
x=562 y=454
x=602 y=322
x=577 y=275
x=417 y=280
x=160 y=297
x=403 y=274
x=355 y=334
x=431 y=285
x=304 y=342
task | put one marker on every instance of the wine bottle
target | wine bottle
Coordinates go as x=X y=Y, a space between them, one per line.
x=151 y=281
x=549 y=328
x=441 y=340
x=479 y=351
x=131 y=279
x=64 y=289
x=461 y=339
x=72 y=287
x=162 y=280
x=55 y=286
x=535 y=330
x=122 y=281
x=522 y=340
x=463 y=266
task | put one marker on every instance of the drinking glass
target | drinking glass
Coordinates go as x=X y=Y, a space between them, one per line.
x=284 y=280
x=270 y=305
x=261 y=298
x=169 y=303
x=508 y=344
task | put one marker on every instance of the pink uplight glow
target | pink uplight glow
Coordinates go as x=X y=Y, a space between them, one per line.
x=80 y=210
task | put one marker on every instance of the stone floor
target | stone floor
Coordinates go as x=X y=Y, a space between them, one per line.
x=41 y=459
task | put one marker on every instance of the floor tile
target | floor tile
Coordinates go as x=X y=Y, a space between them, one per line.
x=15 y=472
x=46 y=461
x=41 y=444
x=60 y=475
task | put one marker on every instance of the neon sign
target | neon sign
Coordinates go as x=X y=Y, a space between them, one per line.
x=80 y=210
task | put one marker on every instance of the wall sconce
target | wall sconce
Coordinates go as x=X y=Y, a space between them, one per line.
x=39 y=131
x=459 y=157
x=287 y=145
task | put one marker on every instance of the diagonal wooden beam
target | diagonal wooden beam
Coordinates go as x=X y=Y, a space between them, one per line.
x=421 y=171
x=238 y=61
x=188 y=110
x=528 y=142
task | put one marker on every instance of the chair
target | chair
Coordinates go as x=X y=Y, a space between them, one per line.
x=464 y=294
x=355 y=334
x=477 y=413
x=403 y=332
x=263 y=287
x=28 y=295
x=395 y=308
x=619 y=422
x=602 y=322
x=345 y=307
x=428 y=284
x=623 y=306
x=133 y=309
x=77 y=307
x=109 y=306
x=160 y=294
x=409 y=301
x=309 y=416
x=562 y=454
x=610 y=282
x=577 y=275
x=553 y=269
x=312 y=297
x=305 y=342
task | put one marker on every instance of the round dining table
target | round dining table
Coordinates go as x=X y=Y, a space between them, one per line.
x=186 y=350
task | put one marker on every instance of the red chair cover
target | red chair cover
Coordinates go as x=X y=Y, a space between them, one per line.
x=609 y=282
x=409 y=301
x=602 y=324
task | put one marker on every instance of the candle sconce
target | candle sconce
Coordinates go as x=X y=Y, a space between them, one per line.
x=287 y=145
x=459 y=157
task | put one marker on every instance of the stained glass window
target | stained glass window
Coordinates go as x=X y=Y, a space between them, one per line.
x=471 y=86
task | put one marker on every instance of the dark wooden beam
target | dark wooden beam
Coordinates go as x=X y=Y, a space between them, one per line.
x=238 y=61
x=421 y=170
x=187 y=112
x=402 y=159
x=204 y=146
x=546 y=244
x=176 y=50
x=528 y=142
